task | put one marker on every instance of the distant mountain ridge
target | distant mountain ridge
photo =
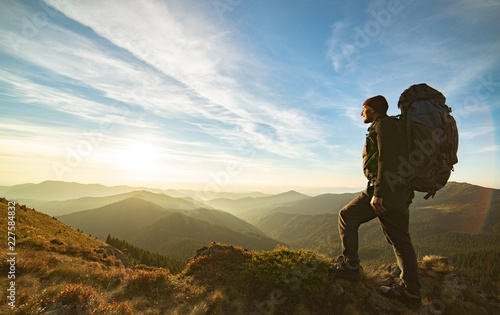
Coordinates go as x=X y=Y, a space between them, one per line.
x=57 y=208
x=239 y=206
x=219 y=217
x=56 y=190
x=117 y=219
x=300 y=230
x=325 y=203
x=151 y=227
x=59 y=191
x=458 y=207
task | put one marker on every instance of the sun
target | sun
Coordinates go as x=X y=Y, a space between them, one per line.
x=139 y=157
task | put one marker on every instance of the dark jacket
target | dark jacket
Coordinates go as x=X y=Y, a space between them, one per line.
x=385 y=148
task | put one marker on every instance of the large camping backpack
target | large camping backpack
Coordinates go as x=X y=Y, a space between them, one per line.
x=432 y=138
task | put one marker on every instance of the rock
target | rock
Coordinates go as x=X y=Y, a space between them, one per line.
x=215 y=248
x=111 y=251
x=56 y=241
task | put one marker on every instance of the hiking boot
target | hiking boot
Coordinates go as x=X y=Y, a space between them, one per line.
x=342 y=269
x=398 y=292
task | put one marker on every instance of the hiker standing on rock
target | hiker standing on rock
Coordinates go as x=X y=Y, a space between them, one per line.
x=389 y=201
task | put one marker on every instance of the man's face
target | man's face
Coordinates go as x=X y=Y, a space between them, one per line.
x=368 y=114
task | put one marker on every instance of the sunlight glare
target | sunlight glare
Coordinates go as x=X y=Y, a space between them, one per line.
x=139 y=158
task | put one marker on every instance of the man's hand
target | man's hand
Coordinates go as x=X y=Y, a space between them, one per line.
x=377 y=205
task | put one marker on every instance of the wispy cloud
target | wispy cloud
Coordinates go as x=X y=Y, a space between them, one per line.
x=30 y=92
x=170 y=68
x=477 y=132
x=204 y=92
x=340 y=52
x=419 y=41
x=493 y=148
x=24 y=140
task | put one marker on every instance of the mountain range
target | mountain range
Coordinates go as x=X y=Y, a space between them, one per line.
x=175 y=233
x=60 y=270
x=461 y=221
x=251 y=206
x=58 y=190
x=457 y=208
x=58 y=207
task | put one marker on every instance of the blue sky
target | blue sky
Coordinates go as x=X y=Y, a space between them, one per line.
x=234 y=94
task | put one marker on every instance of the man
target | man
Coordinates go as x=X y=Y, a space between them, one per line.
x=385 y=198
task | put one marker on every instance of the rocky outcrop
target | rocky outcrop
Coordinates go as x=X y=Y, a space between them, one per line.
x=444 y=289
x=111 y=251
x=214 y=248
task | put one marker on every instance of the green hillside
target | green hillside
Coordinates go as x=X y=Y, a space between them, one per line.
x=170 y=232
x=145 y=258
x=456 y=195
x=34 y=229
x=299 y=230
x=326 y=203
x=188 y=233
x=218 y=217
x=117 y=219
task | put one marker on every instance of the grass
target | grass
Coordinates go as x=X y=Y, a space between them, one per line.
x=228 y=281
x=103 y=291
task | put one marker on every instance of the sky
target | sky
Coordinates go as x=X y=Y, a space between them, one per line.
x=234 y=95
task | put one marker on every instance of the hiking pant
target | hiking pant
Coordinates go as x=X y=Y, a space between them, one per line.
x=395 y=225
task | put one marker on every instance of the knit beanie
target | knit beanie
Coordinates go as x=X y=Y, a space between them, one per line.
x=377 y=103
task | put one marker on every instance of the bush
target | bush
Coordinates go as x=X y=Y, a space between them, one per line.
x=289 y=269
x=149 y=282
x=220 y=265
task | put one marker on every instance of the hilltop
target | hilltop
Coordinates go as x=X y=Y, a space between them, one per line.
x=62 y=271
x=285 y=281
